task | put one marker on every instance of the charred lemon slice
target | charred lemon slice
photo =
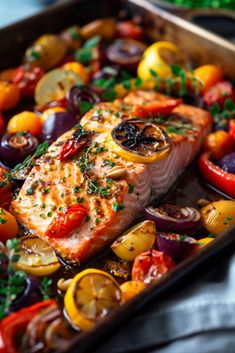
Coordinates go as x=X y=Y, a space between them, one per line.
x=140 y=142
x=91 y=296
x=37 y=258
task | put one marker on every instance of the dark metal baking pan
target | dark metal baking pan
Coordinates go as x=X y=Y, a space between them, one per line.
x=201 y=47
x=219 y=21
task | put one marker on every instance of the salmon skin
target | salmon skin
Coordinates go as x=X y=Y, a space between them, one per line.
x=111 y=204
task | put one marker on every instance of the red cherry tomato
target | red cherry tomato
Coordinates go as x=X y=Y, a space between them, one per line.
x=26 y=77
x=66 y=221
x=151 y=265
x=219 y=93
x=129 y=29
x=71 y=147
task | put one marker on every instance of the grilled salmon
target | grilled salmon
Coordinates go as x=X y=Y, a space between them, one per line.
x=111 y=204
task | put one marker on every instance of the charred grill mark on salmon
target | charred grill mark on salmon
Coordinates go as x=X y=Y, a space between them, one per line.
x=110 y=204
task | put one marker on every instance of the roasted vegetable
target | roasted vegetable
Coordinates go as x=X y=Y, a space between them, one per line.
x=218 y=216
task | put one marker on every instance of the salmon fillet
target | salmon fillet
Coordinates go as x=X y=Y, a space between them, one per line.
x=111 y=204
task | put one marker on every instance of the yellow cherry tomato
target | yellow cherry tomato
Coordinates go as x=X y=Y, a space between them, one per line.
x=8 y=225
x=48 y=112
x=153 y=60
x=47 y=51
x=219 y=144
x=9 y=95
x=78 y=69
x=91 y=296
x=131 y=288
x=37 y=258
x=208 y=75
x=25 y=121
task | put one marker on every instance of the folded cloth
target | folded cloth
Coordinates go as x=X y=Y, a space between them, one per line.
x=199 y=318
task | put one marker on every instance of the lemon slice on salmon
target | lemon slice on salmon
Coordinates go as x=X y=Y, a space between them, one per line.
x=91 y=296
x=138 y=141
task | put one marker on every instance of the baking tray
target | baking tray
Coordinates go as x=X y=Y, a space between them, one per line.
x=198 y=45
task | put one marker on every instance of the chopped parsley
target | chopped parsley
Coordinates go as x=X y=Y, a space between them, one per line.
x=109 y=163
x=131 y=188
x=117 y=207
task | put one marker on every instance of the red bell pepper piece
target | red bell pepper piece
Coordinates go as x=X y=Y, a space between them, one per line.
x=216 y=176
x=164 y=107
x=16 y=323
x=66 y=221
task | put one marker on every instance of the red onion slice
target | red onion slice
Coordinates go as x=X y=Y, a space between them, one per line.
x=175 y=245
x=172 y=218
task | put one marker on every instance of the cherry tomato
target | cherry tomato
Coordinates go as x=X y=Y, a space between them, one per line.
x=151 y=265
x=5 y=189
x=9 y=95
x=131 y=288
x=26 y=77
x=71 y=146
x=78 y=69
x=219 y=143
x=8 y=226
x=209 y=75
x=129 y=29
x=66 y=221
x=25 y=121
x=219 y=93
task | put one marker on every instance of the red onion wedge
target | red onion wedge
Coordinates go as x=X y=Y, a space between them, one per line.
x=175 y=245
x=172 y=218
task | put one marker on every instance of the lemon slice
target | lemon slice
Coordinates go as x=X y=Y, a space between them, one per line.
x=138 y=141
x=54 y=85
x=91 y=296
x=37 y=258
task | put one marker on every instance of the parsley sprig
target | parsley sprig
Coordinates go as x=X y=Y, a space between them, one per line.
x=13 y=285
x=223 y=115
